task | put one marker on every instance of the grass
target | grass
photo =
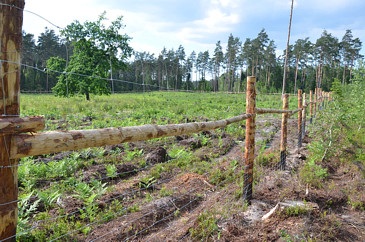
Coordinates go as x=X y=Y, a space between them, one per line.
x=339 y=143
x=206 y=226
x=137 y=108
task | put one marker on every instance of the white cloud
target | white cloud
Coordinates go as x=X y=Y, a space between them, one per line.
x=326 y=6
x=59 y=13
x=154 y=26
x=215 y=21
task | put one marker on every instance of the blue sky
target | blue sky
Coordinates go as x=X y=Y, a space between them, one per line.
x=199 y=24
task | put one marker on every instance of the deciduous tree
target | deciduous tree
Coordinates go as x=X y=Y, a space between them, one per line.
x=96 y=50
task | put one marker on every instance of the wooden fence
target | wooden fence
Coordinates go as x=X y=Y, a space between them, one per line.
x=20 y=136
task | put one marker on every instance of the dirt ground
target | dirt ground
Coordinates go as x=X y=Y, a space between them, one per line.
x=317 y=214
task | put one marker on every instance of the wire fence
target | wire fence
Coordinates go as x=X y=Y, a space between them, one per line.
x=157 y=131
x=247 y=179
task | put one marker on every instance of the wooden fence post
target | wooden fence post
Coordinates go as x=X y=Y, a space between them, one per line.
x=326 y=95
x=304 y=115
x=320 y=93
x=284 y=133
x=11 y=19
x=318 y=99
x=250 y=139
x=315 y=99
x=300 y=106
x=310 y=106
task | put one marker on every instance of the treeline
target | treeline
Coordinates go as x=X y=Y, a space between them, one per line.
x=311 y=64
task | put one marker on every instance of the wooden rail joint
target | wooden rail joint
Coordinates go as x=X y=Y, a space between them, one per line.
x=17 y=125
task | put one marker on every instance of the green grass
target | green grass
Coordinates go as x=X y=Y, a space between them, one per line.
x=138 y=108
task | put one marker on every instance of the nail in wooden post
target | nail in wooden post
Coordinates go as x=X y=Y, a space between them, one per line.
x=11 y=19
x=250 y=139
x=284 y=132
x=310 y=106
x=300 y=106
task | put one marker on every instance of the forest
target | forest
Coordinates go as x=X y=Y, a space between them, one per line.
x=122 y=69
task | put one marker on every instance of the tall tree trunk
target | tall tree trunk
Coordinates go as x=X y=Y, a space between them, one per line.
x=287 y=47
x=87 y=95
x=350 y=72
x=344 y=75
x=176 y=77
x=252 y=69
x=317 y=75
x=268 y=76
x=304 y=71
x=296 y=74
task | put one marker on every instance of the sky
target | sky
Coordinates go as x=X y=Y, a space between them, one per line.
x=197 y=25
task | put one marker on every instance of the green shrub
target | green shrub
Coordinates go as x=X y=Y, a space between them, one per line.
x=312 y=173
x=205 y=227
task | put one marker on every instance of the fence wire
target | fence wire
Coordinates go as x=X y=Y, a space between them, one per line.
x=248 y=178
x=247 y=190
x=165 y=218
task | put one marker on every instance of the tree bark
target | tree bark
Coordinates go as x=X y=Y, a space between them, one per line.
x=11 y=19
x=87 y=95
x=296 y=74
x=250 y=139
x=21 y=125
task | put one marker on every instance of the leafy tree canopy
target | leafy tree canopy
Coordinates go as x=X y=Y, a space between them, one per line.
x=97 y=50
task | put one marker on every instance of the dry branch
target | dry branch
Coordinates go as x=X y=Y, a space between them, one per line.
x=56 y=141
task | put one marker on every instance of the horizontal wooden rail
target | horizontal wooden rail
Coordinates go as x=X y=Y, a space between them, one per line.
x=56 y=141
x=11 y=125
x=295 y=111
x=269 y=110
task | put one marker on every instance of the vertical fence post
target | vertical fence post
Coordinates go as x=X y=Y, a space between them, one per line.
x=304 y=115
x=317 y=99
x=315 y=103
x=320 y=93
x=284 y=132
x=11 y=19
x=326 y=94
x=310 y=106
x=250 y=139
x=300 y=106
